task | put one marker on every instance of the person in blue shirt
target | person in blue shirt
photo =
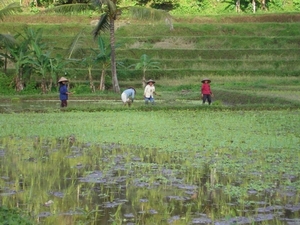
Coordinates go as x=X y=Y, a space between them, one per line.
x=128 y=96
x=63 y=91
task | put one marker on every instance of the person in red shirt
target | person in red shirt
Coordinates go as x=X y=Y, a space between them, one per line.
x=206 y=93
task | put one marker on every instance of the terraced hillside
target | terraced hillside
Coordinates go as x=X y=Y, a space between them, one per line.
x=255 y=46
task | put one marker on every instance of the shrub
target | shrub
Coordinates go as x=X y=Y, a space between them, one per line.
x=81 y=89
x=12 y=217
x=6 y=84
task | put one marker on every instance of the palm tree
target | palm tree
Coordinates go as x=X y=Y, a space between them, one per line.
x=111 y=11
x=107 y=21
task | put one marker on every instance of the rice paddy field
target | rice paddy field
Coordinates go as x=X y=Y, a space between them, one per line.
x=177 y=162
x=152 y=167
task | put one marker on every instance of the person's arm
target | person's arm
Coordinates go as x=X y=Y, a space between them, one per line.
x=145 y=91
x=68 y=93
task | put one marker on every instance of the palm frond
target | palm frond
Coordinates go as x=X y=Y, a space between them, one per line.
x=101 y=44
x=7 y=39
x=71 y=8
x=76 y=44
x=103 y=25
x=112 y=8
x=10 y=9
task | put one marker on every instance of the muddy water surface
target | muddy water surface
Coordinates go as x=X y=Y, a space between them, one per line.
x=61 y=181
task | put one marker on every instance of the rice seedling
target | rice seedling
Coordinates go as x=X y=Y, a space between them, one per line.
x=101 y=167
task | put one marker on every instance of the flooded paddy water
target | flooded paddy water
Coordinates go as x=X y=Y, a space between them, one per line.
x=61 y=181
x=188 y=167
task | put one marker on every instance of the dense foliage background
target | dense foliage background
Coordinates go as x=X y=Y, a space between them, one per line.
x=196 y=7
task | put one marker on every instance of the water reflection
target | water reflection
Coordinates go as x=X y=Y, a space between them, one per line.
x=65 y=182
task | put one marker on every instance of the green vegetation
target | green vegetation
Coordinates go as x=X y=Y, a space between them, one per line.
x=87 y=167
x=177 y=162
x=232 y=46
x=13 y=217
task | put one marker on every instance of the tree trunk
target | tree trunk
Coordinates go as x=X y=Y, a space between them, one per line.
x=43 y=86
x=92 y=86
x=19 y=85
x=238 y=6
x=254 y=6
x=114 y=77
x=50 y=85
x=102 y=79
x=19 y=81
x=144 y=79
x=263 y=5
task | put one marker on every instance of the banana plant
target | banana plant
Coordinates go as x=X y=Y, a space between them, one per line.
x=57 y=65
x=145 y=63
x=19 y=54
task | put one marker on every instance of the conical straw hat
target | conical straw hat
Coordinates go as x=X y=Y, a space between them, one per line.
x=205 y=80
x=62 y=79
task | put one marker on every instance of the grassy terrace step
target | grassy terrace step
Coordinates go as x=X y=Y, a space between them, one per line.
x=249 y=29
x=200 y=64
x=136 y=29
x=215 y=54
x=203 y=42
x=225 y=46
x=80 y=75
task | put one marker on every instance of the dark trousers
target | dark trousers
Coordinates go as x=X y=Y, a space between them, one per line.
x=206 y=97
x=64 y=103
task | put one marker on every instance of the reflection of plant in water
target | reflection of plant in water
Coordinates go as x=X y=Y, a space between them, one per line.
x=116 y=217
x=223 y=165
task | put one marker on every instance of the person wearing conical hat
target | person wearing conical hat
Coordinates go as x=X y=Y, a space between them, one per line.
x=149 y=92
x=128 y=96
x=206 y=92
x=63 y=91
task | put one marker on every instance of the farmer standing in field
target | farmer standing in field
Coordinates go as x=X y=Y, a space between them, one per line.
x=206 y=92
x=128 y=96
x=63 y=91
x=149 y=92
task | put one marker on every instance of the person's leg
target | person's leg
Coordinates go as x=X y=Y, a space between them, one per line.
x=129 y=102
x=204 y=99
x=152 y=100
x=209 y=99
x=124 y=98
x=146 y=101
x=63 y=103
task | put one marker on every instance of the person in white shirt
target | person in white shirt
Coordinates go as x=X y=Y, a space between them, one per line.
x=149 y=92
x=128 y=96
